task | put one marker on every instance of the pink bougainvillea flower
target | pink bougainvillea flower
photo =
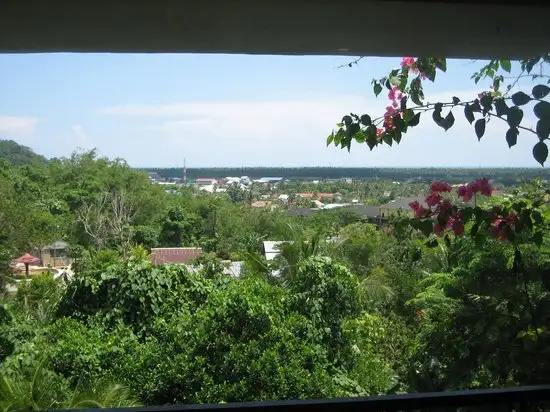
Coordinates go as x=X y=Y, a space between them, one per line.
x=418 y=209
x=465 y=192
x=446 y=206
x=407 y=61
x=458 y=227
x=433 y=199
x=440 y=187
x=395 y=94
x=438 y=229
x=390 y=111
x=483 y=186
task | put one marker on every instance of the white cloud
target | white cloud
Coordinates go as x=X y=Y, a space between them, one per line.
x=294 y=132
x=16 y=125
x=79 y=132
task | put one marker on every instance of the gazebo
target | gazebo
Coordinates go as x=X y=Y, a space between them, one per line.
x=27 y=259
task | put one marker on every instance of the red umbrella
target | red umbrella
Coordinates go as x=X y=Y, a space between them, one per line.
x=27 y=259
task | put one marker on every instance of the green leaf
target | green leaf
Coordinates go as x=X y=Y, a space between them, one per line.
x=514 y=116
x=537 y=238
x=403 y=79
x=330 y=138
x=540 y=91
x=425 y=226
x=506 y=65
x=340 y=134
x=476 y=106
x=543 y=128
x=397 y=134
x=377 y=89
x=520 y=98
x=450 y=120
x=353 y=129
x=371 y=140
x=387 y=139
x=468 y=113
x=512 y=136
x=416 y=93
x=403 y=104
x=501 y=107
x=480 y=128
x=366 y=120
x=456 y=100
x=441 y=64
x=431 y=243
x=398 y=122
x=540 y=152
x=414 y=120
x=542 y=110
x=347 y=120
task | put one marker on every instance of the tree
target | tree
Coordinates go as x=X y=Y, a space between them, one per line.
x=107 y=220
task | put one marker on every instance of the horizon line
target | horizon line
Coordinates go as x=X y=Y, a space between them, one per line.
x=344 y=167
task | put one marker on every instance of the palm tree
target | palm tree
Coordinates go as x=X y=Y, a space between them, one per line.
x=44 y=390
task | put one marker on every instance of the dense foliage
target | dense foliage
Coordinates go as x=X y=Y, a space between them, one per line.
x=346 y=309
x=455 y=296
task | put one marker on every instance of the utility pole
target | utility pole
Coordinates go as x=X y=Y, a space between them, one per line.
x=184 y=172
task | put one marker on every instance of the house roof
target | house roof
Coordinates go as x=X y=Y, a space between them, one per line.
x=300 y=212
x=403 y=203
x=174 y=255
x=367 y=211
x=59 y=244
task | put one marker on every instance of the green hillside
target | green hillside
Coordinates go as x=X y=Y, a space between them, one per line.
x=17 y=154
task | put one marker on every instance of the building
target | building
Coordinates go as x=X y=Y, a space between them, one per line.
x=266 y=180
x=400 y=206
x=56 y=254
x=174 y=255
x=155 y=177
x=272 y=248
x=206 y=181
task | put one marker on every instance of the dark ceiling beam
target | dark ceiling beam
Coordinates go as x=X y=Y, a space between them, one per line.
x=473 y=29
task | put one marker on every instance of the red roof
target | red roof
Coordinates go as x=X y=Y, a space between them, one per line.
x=27 y=258
x=174 y=255
x=329 y=195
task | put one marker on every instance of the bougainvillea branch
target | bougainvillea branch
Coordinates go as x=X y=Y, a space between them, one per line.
x=405 y=84
x=511 y=221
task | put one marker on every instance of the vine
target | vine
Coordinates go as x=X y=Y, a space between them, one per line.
x=406 y=84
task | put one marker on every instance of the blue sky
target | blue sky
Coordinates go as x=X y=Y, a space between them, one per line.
x=228 y=110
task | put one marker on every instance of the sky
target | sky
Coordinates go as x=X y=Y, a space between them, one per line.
x=155 y=110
